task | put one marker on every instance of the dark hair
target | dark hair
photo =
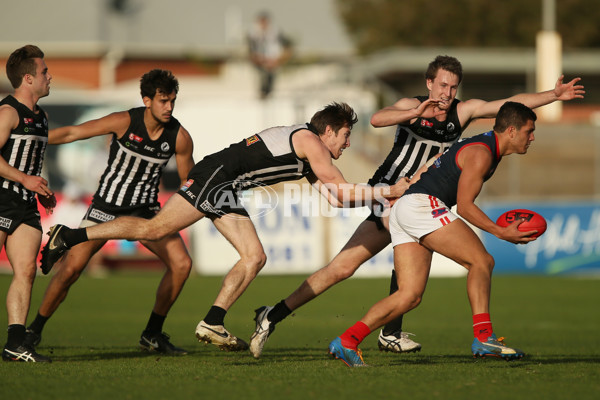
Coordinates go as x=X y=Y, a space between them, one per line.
x=21 y=62
x=159 y=80
x=336 y=115
x=447 y=63
x=513 y=114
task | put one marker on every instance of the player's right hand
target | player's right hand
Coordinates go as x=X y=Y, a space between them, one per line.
x=38 y=185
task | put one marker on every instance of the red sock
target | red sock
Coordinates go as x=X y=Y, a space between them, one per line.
x=354 y=335
x=482 y=326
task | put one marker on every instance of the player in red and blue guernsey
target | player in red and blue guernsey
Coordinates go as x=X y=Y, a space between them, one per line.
x=421 y=223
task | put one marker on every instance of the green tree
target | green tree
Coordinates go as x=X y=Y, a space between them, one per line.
x=379 y=24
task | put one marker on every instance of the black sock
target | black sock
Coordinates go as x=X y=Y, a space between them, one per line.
x=38 y=324
x=75 y=236
x=155 y=323
x=279 y=312
x=395 y=326
x=215 y=316
x=16 y=335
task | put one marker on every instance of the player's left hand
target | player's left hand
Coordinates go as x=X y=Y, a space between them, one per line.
x=48 y=202
x=568 y=91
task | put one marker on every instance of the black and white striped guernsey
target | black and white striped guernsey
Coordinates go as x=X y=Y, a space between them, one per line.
x=417 y=142
x=265 y=158
x=135 y=164
x=26 y=146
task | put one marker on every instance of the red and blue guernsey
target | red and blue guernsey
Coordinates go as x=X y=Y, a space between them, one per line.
x=441 y=179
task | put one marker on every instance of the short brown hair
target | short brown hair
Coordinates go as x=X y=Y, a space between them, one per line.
x=21 y=63
x=336 y=115
x=447 y=63
x=513 y=114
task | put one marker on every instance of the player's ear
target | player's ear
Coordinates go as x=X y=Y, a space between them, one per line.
x=329 y=131
x=147 y=101
x=429 y=84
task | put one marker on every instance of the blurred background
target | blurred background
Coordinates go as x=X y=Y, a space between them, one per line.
x=368 y=53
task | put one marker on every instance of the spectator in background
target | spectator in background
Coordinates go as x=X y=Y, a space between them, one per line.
x=269 y=49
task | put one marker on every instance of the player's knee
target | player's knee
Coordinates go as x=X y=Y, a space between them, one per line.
x=73 y=263
x=183 y=265
x=255 y=262
x=486 y=262
x=414 y=299
x=26 y=275
x=70 y=272
x=490 y=262
x=342 y=271
x=345 y=272
x=407 y=297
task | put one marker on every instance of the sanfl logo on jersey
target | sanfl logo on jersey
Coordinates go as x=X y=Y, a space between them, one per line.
x=426 y=123
x=28 y=121
x=134 y=137
x=252 y=139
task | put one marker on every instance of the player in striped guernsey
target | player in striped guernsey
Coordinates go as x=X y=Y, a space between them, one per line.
x=23 y=139
x=143 y=141
x=274 y=155
x=426 y=125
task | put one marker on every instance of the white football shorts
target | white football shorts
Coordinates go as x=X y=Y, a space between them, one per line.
x=415 y=215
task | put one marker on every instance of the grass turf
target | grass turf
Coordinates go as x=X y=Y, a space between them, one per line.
x=93 y=338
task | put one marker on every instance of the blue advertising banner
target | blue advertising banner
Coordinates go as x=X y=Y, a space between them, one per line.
x=570 y=245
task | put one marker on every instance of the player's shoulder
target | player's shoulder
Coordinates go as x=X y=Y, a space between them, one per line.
x=305 y=141
x=8 y=113
x=183 y=134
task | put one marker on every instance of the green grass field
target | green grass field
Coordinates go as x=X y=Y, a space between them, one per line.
x=93 y=341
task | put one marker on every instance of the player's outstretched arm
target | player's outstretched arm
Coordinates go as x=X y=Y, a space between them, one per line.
x=476 y=108
x=117 y=122
x=341 y=193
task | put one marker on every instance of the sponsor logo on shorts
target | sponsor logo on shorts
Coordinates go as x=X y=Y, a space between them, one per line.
x=187 y=185
x=207 y=207
x=256 y=198
x=5 y=222
x=252 y=139
x=439 y=212
x=100 y=215
x=190 y=195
